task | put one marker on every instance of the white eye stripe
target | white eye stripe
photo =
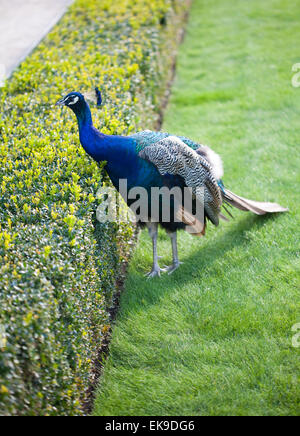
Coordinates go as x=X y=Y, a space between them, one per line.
x=76 y=99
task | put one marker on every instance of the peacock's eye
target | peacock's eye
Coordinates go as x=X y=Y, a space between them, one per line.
x=73 y=100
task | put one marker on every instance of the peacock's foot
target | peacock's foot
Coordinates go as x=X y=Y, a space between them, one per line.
x=155 y=272
x=172 y=268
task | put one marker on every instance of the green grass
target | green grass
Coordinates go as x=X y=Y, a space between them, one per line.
x=215 y=338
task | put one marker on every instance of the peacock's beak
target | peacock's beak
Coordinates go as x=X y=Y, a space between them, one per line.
x=60 y=102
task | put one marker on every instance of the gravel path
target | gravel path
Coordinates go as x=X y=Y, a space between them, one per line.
x=23 y=23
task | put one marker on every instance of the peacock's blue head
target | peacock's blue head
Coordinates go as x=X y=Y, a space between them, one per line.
x=73 y=100
x=76 y=100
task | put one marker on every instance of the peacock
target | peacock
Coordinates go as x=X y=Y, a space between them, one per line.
x=150 y=159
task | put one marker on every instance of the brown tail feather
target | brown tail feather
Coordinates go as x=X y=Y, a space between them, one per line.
x=257 y=207
x=195 y=227
x=223 y=217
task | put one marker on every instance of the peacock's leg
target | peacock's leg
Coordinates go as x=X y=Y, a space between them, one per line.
x=176 y=262
x=153 y=232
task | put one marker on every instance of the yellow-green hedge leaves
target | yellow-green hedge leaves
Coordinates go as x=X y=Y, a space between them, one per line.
x=58 y=267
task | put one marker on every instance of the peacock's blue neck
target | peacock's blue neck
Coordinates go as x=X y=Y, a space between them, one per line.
x=90 y=138
x=119 y=152
x=83 y=114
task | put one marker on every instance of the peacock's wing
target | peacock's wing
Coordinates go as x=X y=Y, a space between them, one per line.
x=171 y=155
x=192 y=144
x=148 y=137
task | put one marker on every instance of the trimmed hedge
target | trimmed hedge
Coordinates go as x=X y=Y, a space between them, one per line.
x=57 y=274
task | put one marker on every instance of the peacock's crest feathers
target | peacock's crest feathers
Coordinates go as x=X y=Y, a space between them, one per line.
x=94 y=97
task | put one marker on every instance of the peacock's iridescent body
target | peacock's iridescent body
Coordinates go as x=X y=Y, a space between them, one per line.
x=159 y=160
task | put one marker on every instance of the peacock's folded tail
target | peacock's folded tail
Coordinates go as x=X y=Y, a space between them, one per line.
x=172 y=156
x=257 y=207
x=199 y=166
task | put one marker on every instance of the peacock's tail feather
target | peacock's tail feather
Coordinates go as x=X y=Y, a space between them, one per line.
x=257 y=207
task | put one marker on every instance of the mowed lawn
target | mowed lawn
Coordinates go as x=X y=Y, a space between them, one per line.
x=215 y=338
